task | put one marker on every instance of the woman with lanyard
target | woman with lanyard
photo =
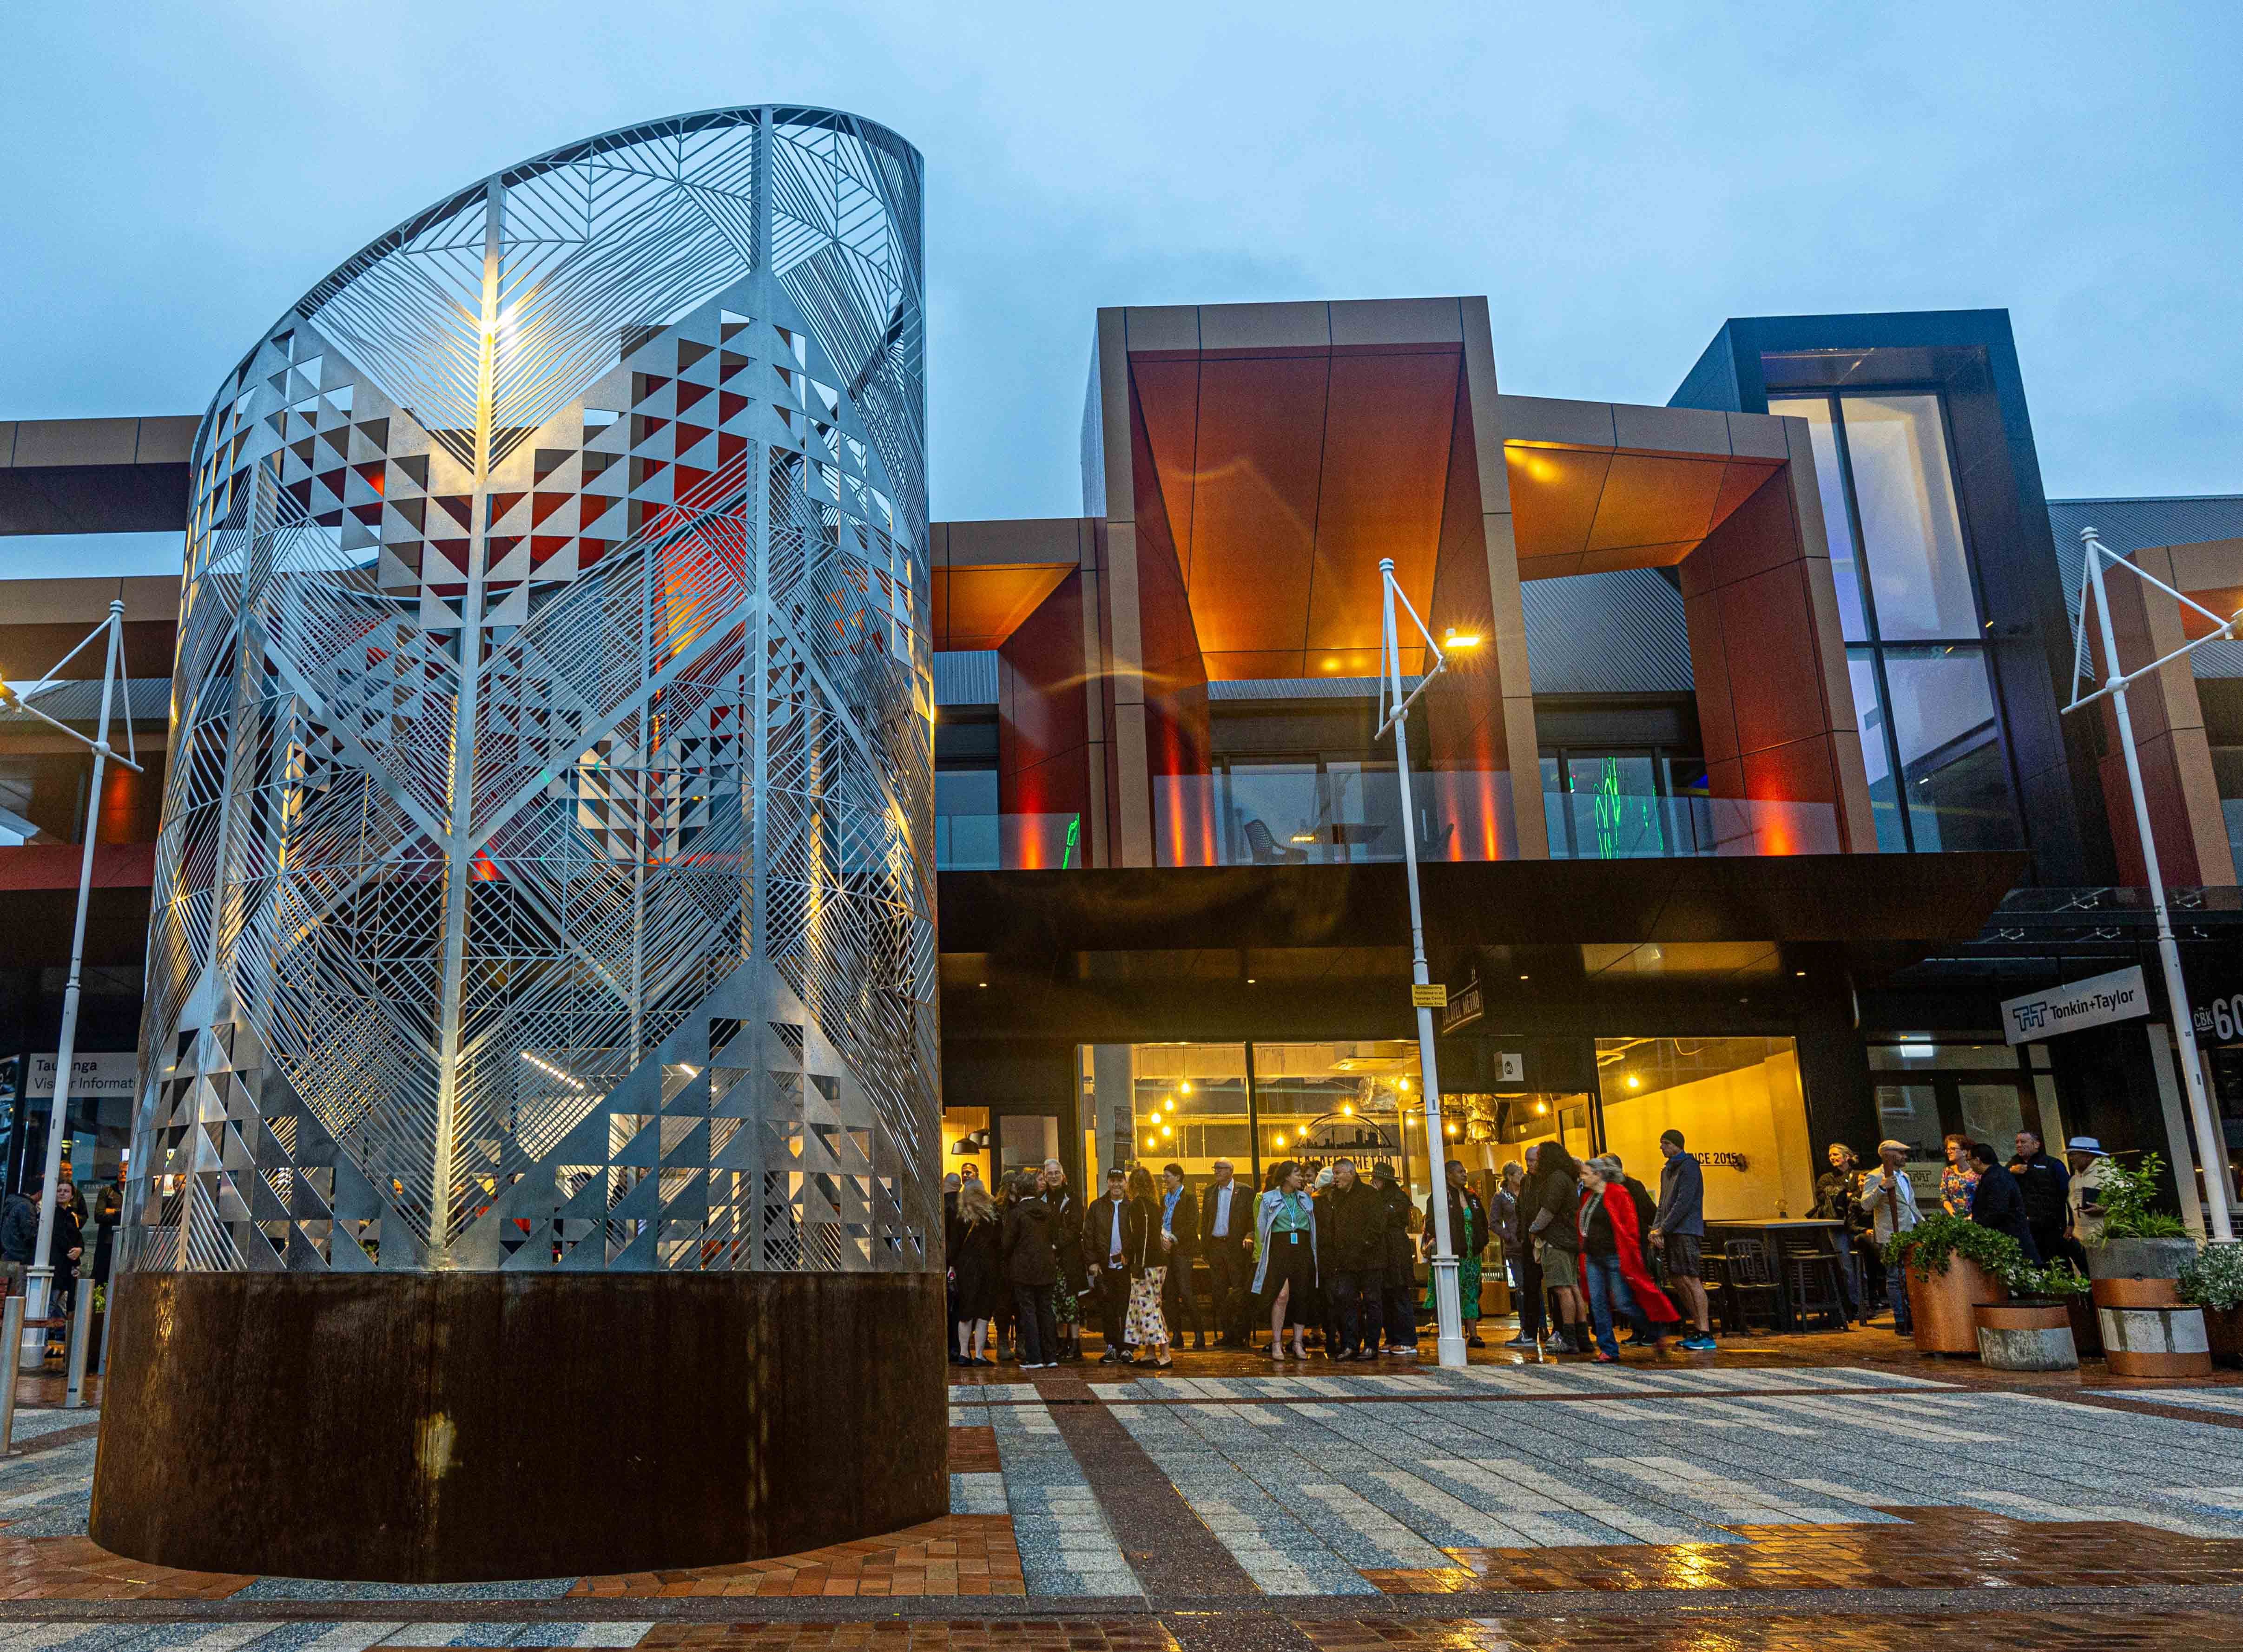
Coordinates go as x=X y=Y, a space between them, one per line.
x=1286 y=1269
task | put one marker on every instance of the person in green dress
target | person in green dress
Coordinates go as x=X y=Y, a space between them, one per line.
x=1468 y=1232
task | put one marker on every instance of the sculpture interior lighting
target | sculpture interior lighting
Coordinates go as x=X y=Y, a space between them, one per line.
x=545 y=878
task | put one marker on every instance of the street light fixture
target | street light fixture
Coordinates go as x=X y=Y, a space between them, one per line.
x=39 y=1284
x=2115 y=683
x=1448 y=1310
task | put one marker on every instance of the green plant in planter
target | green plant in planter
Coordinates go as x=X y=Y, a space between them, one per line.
x=1926 y=1247
x=2051 y=1283
x=2213 y=1279
x=2129 y=1200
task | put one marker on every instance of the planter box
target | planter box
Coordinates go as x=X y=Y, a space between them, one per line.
x=2223 y=1332
x=2140 y=1258
x=2136 y=1294
x=2025 y=1336
x=1941 y=1305
x=2156 y=1343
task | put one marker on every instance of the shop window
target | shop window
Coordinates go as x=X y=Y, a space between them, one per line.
x=1739 y=1106
x=1320 y=1103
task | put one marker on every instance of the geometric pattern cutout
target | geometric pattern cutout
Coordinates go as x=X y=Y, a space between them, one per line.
x=545 y=875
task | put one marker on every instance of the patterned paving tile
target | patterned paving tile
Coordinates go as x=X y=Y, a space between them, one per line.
x=961 y=1554
x=2074 y=1629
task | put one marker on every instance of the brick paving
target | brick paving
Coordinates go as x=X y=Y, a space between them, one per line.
x=2087 y=1629
x=957 y=1555
x=1835 y=1493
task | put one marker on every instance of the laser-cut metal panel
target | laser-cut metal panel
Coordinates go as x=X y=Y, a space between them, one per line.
x=545 y=876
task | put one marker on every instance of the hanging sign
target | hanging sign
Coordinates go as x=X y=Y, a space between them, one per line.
x=2095 y=1002
x=1467 y=1006
x=103 y=1072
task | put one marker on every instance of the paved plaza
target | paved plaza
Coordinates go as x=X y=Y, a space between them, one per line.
x=1838 y=1493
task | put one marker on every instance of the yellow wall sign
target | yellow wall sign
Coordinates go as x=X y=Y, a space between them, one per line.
x=1432 y=997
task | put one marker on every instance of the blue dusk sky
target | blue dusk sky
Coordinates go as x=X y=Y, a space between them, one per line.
x=1617 y=179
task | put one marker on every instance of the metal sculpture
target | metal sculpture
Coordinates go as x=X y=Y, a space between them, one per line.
x=545 y=880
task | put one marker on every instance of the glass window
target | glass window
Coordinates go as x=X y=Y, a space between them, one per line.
x=966 y=829
x=1992 y=1113
x=1269 y=813
x=1953 y=774
x=1739 y=1106
x=1876 y=750
x=1362 y=813
x=1322 y=1101
x=1837 y=513
x=1911 y=533
x=1180 y=1104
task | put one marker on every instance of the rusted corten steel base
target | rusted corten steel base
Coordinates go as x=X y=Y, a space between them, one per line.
x=461 y=1427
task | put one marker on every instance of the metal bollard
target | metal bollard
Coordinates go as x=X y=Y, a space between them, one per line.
x=12 y=1335
x=81 y=1337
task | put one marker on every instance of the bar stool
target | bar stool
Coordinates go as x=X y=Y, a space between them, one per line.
x=1744 y=1278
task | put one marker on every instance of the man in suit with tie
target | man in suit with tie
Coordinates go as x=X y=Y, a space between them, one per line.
x=1226 y=1222
x=1179 y=1230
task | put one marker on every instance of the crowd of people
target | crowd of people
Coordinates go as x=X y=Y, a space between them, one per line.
x=1325 y=1258
x=2051 y=1208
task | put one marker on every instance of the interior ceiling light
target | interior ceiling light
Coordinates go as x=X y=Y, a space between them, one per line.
x=1633 y=1082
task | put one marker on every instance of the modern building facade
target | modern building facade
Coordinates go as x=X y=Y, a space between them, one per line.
x=1756 y=800
x=540 y=968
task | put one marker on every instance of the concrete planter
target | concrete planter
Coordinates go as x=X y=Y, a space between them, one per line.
x=1940 y=1305
x=2025 y=1336
x=2140 y=1258
x=2156 y=1343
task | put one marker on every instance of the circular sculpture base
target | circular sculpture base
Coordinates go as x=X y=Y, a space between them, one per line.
x=463 y=1428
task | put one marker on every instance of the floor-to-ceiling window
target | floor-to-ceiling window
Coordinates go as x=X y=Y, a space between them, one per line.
x=1930 y=732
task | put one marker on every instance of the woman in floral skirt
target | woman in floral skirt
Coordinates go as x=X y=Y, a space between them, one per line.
x=1147 y=1248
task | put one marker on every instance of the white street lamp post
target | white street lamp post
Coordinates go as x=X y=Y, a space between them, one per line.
x=1448 y=1312
x=2115 y=683
x=39 y=1278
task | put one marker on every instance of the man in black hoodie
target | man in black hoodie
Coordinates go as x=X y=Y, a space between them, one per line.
x=1033 y=1269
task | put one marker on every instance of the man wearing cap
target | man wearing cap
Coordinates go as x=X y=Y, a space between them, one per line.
x=1889 y=1198
x=2085 y=1156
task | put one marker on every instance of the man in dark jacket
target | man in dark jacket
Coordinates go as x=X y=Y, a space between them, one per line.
x=1226 y=1223
x=1353 y=1221
x=1066 y=1248
x=2046 y=1186
x=1398 y=1315
x=1998 y=1202
x=1180 y=1221
x=1106 y=1251
x=19 y=1232
x=1033 y=1268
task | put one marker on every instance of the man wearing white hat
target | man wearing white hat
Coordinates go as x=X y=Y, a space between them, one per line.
x=2085 y=1156
x=1889 y=1198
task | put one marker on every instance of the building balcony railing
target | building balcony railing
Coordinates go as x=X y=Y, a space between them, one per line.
x=1610 y=825
x=1007 y=843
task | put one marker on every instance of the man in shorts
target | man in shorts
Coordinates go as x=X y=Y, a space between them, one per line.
x=1678 y=1233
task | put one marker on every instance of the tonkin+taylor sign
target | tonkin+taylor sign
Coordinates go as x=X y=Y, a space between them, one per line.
x=2099 y=999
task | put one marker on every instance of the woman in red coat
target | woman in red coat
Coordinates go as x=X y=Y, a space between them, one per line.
x=1612 y=1261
